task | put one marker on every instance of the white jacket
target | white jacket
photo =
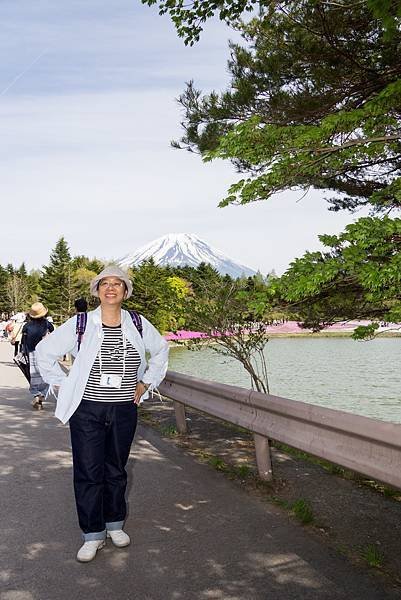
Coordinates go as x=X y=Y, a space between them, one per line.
x=64 y=340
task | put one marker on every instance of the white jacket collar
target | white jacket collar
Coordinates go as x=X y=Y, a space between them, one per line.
x=97 y=315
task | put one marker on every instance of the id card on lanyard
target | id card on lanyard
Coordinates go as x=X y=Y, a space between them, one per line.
x=111 y=380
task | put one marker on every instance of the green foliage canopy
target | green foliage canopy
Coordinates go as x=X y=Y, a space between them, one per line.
x=189 y=16
x=357 y=276
x=159 y=295
x=314 y=101
x=18 y=288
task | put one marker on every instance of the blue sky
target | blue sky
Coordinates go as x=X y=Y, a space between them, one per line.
x=87 y=111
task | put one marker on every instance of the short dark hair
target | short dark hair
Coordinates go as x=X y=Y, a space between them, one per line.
x=81 y=305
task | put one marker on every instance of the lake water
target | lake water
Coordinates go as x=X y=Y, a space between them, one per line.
x=360 y=377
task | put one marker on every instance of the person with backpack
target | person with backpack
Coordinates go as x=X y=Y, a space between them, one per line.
x=109 y=377
x=81 y=305
x=34 y=330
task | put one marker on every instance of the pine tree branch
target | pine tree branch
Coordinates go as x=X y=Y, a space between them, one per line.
x=359 y=142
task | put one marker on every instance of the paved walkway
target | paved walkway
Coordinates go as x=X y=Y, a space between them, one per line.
x=195 y=535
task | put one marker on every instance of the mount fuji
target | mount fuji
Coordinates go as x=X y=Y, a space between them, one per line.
x=180 y=249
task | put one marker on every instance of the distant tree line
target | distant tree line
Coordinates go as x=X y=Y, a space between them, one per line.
x=169 y=297
x=358 y=278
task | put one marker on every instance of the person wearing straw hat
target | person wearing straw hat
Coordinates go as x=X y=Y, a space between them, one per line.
x=108 y=378
x=32 y=332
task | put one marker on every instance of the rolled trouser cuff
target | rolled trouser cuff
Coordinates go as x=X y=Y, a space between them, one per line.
x=114 y=526
x=97 y=535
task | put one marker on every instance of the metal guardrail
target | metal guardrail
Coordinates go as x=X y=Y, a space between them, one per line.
x=361 y=444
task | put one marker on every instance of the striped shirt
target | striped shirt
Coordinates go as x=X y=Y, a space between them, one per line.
x=112 y=357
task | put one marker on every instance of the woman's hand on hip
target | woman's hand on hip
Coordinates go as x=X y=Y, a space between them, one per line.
x=139 y=391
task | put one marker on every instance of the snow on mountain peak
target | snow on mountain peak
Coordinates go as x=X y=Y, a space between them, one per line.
x=179 y=249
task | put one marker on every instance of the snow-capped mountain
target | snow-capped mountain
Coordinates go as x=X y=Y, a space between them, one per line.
x=179 y=249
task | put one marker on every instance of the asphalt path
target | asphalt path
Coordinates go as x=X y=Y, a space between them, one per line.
x=195 y=535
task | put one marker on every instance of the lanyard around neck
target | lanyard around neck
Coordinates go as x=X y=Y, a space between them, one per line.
x=124 y=355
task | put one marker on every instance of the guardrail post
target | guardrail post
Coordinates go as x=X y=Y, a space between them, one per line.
x=263 y=457
x=181 y=421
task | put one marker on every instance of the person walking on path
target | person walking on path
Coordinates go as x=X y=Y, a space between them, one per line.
x=81 y=308
x=34 y=330
x=99 y=398
x=18 y=321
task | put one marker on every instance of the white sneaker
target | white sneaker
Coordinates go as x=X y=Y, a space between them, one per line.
x=119 y=538
x=87 y=552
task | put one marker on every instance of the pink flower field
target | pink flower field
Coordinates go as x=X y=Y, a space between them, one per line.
x=289 y=328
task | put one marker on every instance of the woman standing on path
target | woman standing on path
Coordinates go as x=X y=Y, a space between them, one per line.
x=32 y=333
x=99 y=398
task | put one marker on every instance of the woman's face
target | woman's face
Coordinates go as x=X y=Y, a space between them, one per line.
x=111 y=291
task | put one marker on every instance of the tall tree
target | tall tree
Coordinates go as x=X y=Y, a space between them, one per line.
x=158 y=295
x=314 y=101
x=5 y=305
x=34 y=285
x=22 y=272
x=81 y=280
x=190 y=16
x=57 y=282
x=17 y=291
x=92 y=264
x=198 y=277
x=84 y=270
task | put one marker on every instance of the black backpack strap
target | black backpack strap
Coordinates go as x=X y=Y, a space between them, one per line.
x=137 y=321
x=82 y=319
x=22 y=345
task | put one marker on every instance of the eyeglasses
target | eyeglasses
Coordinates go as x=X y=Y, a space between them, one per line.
x=111 y=284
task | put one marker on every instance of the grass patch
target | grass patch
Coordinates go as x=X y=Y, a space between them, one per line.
x=342 y=472
x=217 y=463
x=165 y=429
x=372 y=555
x=303 y=511
x=342 y=549
x=389 y=492
x=280 y=502
x=243 y=471
x=235 y=471
x=334 y=469
x=168 y=430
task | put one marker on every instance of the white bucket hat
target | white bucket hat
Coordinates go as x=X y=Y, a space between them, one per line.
x=110 y=271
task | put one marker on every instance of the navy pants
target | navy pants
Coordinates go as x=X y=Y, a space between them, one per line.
x=101 y=438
